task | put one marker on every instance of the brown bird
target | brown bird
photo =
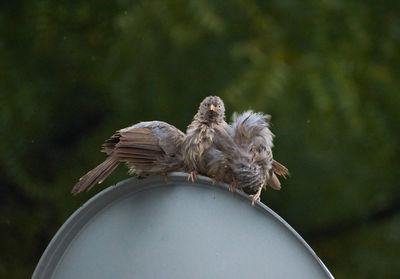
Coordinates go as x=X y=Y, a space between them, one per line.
x=146 y=148
x=250 y=131
x=202 y=150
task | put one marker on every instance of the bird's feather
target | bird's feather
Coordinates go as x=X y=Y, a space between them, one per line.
x=251 y=132
x=147 y=147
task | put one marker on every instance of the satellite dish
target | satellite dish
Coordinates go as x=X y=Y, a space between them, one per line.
x=151 y=229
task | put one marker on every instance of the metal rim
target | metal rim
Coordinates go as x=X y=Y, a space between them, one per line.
x=77 y=220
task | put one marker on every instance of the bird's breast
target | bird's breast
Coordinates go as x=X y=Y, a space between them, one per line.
x=197 y=143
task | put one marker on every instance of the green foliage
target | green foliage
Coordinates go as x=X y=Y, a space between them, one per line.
x=72 y=72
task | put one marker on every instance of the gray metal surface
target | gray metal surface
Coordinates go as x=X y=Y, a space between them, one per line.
x=150 y=229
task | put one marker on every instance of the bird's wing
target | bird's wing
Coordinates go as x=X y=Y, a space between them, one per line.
x=136 y=145
x=147 y=147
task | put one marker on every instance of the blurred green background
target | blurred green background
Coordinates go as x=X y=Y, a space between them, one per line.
x=73 y=72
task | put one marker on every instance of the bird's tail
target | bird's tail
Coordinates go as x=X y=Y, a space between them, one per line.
x=274 y=182
x=279 y=169
x=96 y=175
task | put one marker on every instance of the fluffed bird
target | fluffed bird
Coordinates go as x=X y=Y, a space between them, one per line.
x=146 y=148
x=250 y=131
x=200 y=149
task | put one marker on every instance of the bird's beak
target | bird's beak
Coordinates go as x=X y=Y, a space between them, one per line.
x=212 y=107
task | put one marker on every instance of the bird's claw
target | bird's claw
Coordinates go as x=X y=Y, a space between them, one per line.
x=256 y=197
x=192 y=176
x=232 y=188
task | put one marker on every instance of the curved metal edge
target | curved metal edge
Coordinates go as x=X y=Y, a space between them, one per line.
x=297 y=235
x=94 y=205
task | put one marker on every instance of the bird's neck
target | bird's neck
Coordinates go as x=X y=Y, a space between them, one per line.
x=209 y=122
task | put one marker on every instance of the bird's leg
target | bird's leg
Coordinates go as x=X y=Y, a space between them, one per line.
x=192 y=176
x=233 y=186
x=256 y=197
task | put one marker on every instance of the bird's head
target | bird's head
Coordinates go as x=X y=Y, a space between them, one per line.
x=211 y=110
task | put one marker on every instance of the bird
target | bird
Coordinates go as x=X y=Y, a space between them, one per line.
x=146 y=148
x=250 y=131
x=202 y=148
x=239 y=154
